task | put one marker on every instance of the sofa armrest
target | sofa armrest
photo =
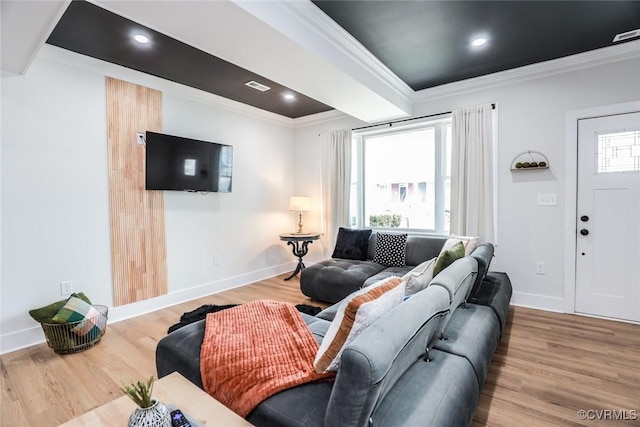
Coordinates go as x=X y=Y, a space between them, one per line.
x=180 y=352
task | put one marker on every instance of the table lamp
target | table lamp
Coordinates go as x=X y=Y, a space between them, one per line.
x=299 y=203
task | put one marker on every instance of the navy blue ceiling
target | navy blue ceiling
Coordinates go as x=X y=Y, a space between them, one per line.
x=425 y=43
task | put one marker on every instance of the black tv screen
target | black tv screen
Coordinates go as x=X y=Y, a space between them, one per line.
x=184 y=164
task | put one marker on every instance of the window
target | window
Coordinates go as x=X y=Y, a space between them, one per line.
x=401 y=177
x=619 y=152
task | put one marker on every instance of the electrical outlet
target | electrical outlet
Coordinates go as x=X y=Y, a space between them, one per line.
x=140 y=138
x=547 y=199
x=66 y=288
x=540 y=268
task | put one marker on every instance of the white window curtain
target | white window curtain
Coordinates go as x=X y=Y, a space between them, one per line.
x=336 y=184
x=472 y=207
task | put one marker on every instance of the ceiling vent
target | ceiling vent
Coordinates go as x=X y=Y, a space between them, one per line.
x=626 y=36
x=257 y=86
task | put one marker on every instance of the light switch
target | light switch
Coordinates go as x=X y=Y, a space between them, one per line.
x=547 y=199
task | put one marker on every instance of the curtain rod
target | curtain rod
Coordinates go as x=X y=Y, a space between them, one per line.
x=493 y=107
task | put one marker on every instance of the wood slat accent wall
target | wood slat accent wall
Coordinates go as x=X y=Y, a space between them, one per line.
x=138 y=247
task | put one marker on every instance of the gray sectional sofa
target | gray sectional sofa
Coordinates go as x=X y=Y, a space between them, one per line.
x=423 y=363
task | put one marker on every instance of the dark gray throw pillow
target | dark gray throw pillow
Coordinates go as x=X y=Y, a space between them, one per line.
x=390 y=249
x=352 y=244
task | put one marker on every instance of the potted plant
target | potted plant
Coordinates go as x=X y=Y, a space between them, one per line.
x=150 y=412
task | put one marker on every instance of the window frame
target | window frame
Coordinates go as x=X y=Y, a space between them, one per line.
x=359 y=152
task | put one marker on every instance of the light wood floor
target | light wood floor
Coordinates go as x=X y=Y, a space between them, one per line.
x=546 y=368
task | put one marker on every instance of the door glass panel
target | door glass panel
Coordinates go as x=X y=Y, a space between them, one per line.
x=619 y=152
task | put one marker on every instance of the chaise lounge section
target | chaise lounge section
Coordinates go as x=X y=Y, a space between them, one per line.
x=331 y=280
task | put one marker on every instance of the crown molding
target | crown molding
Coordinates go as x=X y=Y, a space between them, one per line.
x=317 y=21
x=63 y=56
x=318 y=118
x=621 y=52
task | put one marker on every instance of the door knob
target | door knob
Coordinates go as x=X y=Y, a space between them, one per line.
x=584 y=218
x=584 y=231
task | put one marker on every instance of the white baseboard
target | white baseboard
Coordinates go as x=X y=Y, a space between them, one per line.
x=541 y=302
x=28 y=337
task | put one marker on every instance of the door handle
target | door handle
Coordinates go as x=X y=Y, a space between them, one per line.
x=584 y=232
x=584 y=218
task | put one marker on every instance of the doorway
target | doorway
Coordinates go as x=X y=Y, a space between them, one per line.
x=607 y=246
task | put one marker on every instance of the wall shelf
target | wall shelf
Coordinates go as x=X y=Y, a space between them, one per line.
x=529 y=160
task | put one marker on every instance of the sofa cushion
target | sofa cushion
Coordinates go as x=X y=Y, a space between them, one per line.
x=420 y=277
x=386 y=273
x=317 y=326
x=390 y=249
x=441 y=392
x=351 y=244
x=329 y=313
x=355 y=314
x=422 y=248
x=373 y=362
x=495 y=292
x=447 y=257
x=300 y=406
x=333 y=279
x=472 y=333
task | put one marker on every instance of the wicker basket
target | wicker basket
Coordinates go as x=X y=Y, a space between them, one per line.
x=63 y=340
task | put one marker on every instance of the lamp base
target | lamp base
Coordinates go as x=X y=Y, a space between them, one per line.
x=300 y=231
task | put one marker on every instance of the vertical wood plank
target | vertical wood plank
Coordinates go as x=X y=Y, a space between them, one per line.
x=138 y=246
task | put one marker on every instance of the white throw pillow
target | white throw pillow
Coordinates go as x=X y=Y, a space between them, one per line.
x=419 y=278
x=358 y=311
x=470 y=243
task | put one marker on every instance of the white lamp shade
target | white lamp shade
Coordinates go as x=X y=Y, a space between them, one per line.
x=299 y=203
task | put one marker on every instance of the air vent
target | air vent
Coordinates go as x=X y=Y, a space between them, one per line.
x=257 y=86
x=626 y=36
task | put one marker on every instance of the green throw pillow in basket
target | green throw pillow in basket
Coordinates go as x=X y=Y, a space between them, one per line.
x=45 y=314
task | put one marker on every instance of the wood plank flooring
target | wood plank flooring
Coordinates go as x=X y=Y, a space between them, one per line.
x=547 y=367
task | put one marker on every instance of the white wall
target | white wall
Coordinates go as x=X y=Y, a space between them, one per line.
x=55 y=221
x=531 y=116
x=54 y=195
x=240 y=227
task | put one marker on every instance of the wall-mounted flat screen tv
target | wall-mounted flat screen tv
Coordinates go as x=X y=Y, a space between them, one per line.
x=184 y=164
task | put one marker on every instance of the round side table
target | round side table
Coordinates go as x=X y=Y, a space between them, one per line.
x=299 y=244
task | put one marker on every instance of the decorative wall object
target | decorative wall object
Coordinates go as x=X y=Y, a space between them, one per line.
x=530 y=160
x=138 y=247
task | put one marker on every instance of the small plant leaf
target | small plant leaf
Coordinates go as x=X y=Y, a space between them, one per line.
x=140 y=392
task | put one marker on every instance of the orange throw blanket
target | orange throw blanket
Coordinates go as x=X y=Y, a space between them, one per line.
x=255 y=350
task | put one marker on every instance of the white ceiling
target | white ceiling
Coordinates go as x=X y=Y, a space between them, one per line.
x=314 y=55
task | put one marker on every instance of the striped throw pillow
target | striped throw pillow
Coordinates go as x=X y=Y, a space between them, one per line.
x=358 y=311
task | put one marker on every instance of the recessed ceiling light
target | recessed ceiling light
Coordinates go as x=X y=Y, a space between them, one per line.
x=141 y=39
x=479 y=41
x=289 y=96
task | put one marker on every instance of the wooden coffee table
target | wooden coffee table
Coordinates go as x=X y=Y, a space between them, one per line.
x=174 y=390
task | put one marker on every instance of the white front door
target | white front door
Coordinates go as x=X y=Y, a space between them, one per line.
x=608 y=217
